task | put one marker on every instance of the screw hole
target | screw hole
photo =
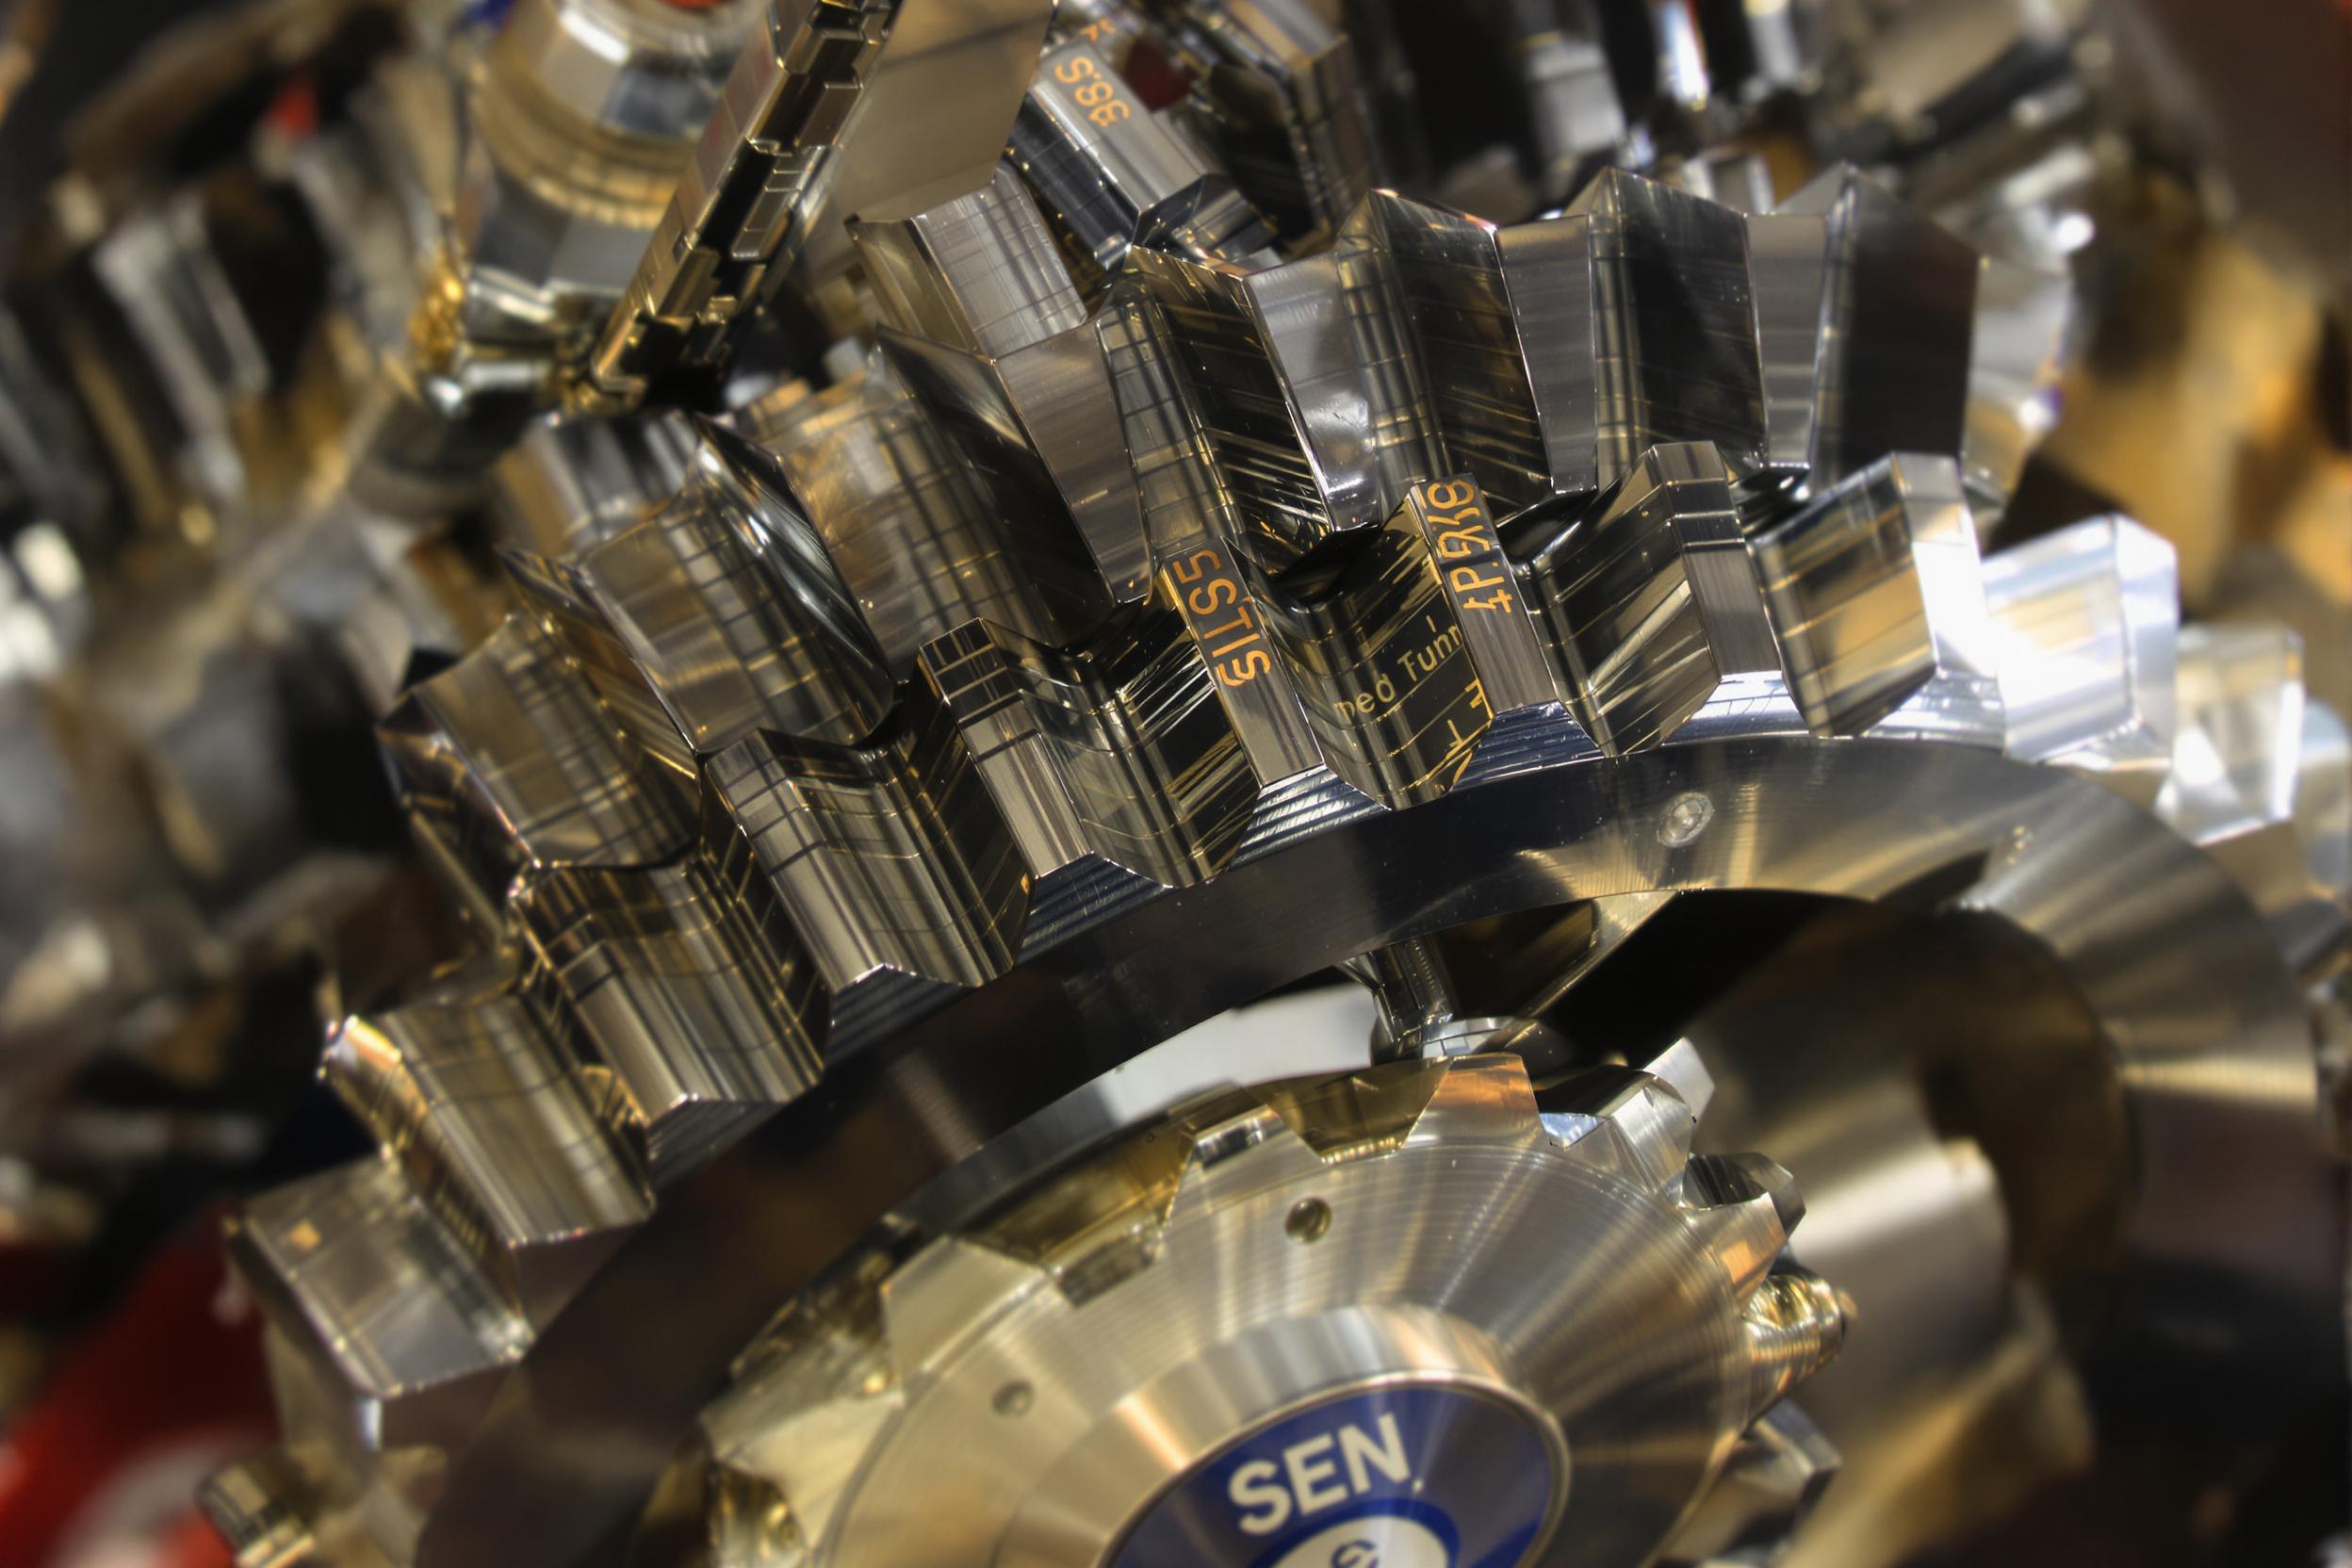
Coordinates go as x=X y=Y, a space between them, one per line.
x=1686 y=819
x=1309 y=1221
x=1014 y=1399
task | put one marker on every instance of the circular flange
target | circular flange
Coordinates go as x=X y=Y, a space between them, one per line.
x=1396 y=1310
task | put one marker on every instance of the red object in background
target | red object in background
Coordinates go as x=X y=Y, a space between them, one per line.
x=1157 y=80
x=295 y=110
x=102 y=1465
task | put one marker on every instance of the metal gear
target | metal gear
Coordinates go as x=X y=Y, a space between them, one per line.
x=1191 y=569
x=1224 y=1286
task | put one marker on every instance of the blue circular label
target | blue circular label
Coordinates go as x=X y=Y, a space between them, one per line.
x=1403 y=1476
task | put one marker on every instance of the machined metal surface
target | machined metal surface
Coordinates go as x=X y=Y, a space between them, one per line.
x=1160 y=1301
x=1347 y=706
x=921 y=569
x=1967 y=814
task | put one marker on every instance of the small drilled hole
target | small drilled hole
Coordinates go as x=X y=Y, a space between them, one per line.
x=1014 y=1399
x=1309 y=1221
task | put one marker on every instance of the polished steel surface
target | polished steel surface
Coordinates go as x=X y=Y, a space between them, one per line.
x=1876 y=590
x=1654 y=601
x=913 y=530
x=1285 y=108
x=2260 y=782
x=1787 y=813
x=1192 y=1305
x=984 y=323
x=1108 y=173
x=723 y=602
x=467 y=1090
x=2089 y=618
x=1081 y=662
x=641 y=67
x=1674 y=349
x=569 y=483
x=902 y=577
x=816 y=80
x=1865 y=312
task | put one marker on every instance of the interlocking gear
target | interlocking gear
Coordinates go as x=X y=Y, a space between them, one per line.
x=1192 y=568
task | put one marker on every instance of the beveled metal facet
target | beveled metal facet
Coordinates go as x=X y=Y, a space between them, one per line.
x=815 y=76
x=2087 y=620
x=984 y=324
x=1653 y=599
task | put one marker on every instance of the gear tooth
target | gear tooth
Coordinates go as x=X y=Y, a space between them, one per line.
x=570 y=482
x=1119 y=755
x=1270 y=393
x=1833 y=265
x=2017 y=354
x=2087 y=621
x=467 y=1092
x=1107 y=1218
x=577 y=646
x=264 y=1508
x=1717 y=1179
x=506 y=759
x=2238 y=730
x=1382 y=667
x=688 y=987
x=984 y=325
x=2323 y=799
x=1727 y=175
x=750 y=1523
x=1457 y=528
x=1457 y=283
x=993 y=682
x=1486 y=1099
x=2241 y=789
x=905 y=523
x=1285 y=113
x=532 y=774
x=978 y=273
x=1743 y=1206
x=1878 y=600
x=397 y=608
x=1680 y=1066
x=1776 y=1476
x=1195 y=533
x=1255 y=1139
x=1365 y=1113
x=722 y=605
x=1653 y=602
x=1690 y=371
x=1796 y=1324
x=1548 y=273
x=888 y=858
x=1150 y=187
x=806 y=1407
x=1627 y=1123
x=945 y=1294
x=1207 y=220
x=372 y=1291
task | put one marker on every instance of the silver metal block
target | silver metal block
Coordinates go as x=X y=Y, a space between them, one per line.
x=2086 y=620
x=1875 y=593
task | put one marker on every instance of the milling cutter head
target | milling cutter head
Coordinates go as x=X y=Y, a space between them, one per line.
x=1400 y=1316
